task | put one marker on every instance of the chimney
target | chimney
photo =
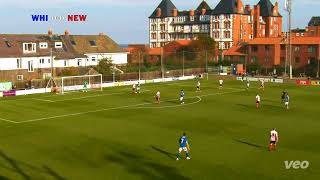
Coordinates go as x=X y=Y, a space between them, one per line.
x=66 y=32
x=240 y=6
x=248 y=8
x=203 y=11
x=191 y=12
x=158 y=14
x=276 y=9
x=50 y=32
x=174 y=12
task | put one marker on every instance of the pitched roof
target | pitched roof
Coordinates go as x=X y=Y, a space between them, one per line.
x=295 y=40
x=266 y=8
x=166 y=7
x=226 y=7
x=74 y=46
x=315 y=21
x=235 y=51
x=203 y=5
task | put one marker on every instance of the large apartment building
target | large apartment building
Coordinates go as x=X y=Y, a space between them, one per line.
x=229 y=23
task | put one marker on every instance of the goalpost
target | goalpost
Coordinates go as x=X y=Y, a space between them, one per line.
x=85 y=82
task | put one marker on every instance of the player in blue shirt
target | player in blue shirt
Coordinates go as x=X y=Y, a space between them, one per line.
x=183 y=146
x=182 y=97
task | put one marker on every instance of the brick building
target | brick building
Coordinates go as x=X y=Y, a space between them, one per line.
x=229 y=23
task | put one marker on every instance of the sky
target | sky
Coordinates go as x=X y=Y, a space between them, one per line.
x=125 y=21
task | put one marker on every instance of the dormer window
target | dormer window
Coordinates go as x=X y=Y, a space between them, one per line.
x=73 y=43
x=43 y=45
x=29 y=47
x=93 y=43
x=8 y=44
x=58 y=44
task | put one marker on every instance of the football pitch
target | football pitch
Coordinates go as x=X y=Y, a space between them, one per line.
x=115 y=134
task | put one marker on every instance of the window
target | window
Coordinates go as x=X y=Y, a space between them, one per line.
x=297 y=60
x=73 y=43
x=254 y=48
x=153 y=36
x=162 y=27
x=296 y=48
x=65 y=63
x=266 y=59
x=251 y=36
x=58 y=44
x=191 y=18
x=254 y=59
x=311 y=49
x=8 y=44
x=162 y=35
x=267 y=48
x=153 y=27
x=19 y=63
x=227 y=45
x=43 y=45
x=92 y=43
x=154 y=45
x=227 y=25
x=227 y=34
x=283 y=47
x=79 y=62
x=30 y=66
x=20 y=77
x=216 y=34
x=282 y=61
x=93 y=59
x=29 y=47
x=41 y=61
x=49 y=61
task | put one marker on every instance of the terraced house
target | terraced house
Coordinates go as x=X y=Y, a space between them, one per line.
x=229 y=23
x=29 y=56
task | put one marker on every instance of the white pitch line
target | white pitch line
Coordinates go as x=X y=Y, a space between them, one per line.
x=45 y=100
x=80 y=113
x=172 y=106
x=7 y=120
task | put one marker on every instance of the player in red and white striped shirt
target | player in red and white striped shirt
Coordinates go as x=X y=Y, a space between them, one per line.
x=274 y=138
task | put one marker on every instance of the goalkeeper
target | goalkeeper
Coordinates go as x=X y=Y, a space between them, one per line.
x=184 y=146
x=85 y=86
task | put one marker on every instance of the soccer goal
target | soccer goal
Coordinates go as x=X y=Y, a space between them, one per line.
x=78 y=83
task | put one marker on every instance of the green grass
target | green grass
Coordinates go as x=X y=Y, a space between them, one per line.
x=116 y=135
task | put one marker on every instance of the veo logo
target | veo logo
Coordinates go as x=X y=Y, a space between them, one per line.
x=296 y=164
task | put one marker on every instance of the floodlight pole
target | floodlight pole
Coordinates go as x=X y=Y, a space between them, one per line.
x=183 y=63
x=207 y=64
x=139 y=66
x=290 y=36
x=162 y=69
x=318 y=61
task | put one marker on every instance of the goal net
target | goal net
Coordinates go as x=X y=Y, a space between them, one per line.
x=81 y=83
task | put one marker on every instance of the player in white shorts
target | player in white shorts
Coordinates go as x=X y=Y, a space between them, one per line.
x=158 y=97
x=182 y=97
x=133 y=88
x=258 y=100
x=220 y=84
x=248 y=85
x=262 y=84
x=286 y=101
x=274 y=138
x=198 y=86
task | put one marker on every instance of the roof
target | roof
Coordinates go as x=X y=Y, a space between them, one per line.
x=235 y=51
x=266 y=8
x=298 y=30
x=305 y=40
x=203 y=5
x=315 y=21
x=74 y=46
x=166 y=7
x=226 y=7
x=155 y=51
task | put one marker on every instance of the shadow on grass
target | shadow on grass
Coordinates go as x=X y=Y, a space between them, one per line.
x=243 y=105
x=249 y=144
x=170 y=155
x=18 y=167
x=143 y=167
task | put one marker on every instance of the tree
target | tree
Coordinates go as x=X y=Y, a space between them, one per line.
x=105 y=66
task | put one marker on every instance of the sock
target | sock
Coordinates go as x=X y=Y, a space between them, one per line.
x=275 y=147
x=270 y=147
x=187 y=154
x=178 y=155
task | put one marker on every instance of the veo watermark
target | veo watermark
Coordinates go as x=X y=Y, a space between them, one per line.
x=296 y=164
